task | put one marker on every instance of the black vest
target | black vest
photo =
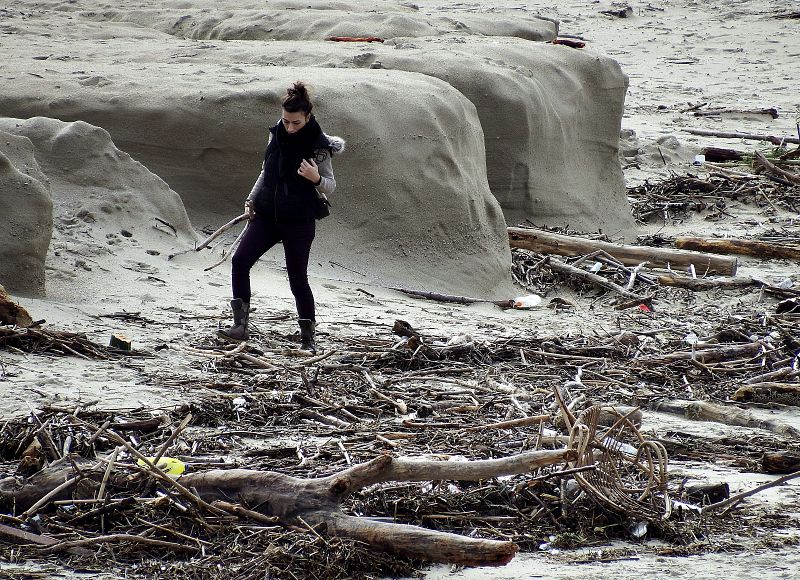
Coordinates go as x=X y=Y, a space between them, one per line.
x=285 y=196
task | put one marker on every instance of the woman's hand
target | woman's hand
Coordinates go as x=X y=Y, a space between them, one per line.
x=308 y=169
x=249 y=210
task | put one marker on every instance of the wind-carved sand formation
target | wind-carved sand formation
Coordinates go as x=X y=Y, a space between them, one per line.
x=459 y=123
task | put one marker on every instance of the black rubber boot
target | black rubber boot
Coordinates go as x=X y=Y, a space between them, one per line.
x=307 y=335
x=241 y=313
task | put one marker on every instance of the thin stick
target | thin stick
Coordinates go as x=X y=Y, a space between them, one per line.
x=172 y=437
x=560 y=266
x=740 y=496
x=99 y=432
x=524 y=422
x=66 y=485
x=230 y=252
x=221 y=231
x=177 y=533
x=163 y=476
x=102 y=491
x=120 y=538
x=239 y=511
x=316 y=359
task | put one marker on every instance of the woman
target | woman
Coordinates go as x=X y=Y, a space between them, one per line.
x=282 y=208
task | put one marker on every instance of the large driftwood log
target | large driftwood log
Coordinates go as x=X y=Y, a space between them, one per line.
x=726 y=414
x=316 y=502
x=739 y=246
x=699 y=284
x=705 y=356
x=780 y=462
x=734 y=135
x=545 y=242
x=784 y=393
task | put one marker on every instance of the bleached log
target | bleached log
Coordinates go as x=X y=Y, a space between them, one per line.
x=699 y=284
x=725 y=414
x=545 y=242
x=739 y=246
x=316 y=502
x=735 y=135
x=705 y=356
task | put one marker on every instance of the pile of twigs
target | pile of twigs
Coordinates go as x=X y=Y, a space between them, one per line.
x=674 y=198
x=39 y=340
x=410 y=393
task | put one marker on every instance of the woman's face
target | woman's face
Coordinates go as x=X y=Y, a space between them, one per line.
x=293 y=122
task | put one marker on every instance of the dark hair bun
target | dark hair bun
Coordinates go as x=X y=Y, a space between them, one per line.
x=297 y=98
x=298 y=89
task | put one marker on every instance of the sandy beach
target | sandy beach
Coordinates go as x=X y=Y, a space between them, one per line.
x=130 y=132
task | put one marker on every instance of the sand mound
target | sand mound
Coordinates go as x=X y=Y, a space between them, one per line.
x=414 y=201
x=391 y=224
x=551 y=117
x=99 y=196
x=91 y=179
x=26 y=208
x=299 y=21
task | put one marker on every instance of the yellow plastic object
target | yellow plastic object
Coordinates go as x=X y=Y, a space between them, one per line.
x=169 y=465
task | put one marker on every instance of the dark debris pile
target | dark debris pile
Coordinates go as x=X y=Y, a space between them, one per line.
x=438 y=396
x=674 y=198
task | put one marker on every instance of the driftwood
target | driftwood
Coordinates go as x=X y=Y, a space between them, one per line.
x=771 y=111
x=739 y=246
x=707 y=493
x=780 y=462
x=597 y=280
x=734 y=135
x=705 y=356
x=772 y=168
x=230 y=252
x=315 y=503
x=785 y=393
x=735 y=499
x=221 y=231
x=720 y=154
x=22 y=537
x=624 y=12
x=698 y=284
x=545 y=242
x=726 y=414
x=453 y=299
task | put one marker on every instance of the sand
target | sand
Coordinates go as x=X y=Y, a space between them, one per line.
x=145 y=156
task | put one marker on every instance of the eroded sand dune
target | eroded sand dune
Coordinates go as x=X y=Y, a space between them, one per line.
x=455 y=126
x=27 y=211
x=71 y=173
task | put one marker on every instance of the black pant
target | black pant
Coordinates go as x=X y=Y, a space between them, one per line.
x=260 y=236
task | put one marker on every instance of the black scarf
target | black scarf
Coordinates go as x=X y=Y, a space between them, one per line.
x=285 y=195
x=292 y=148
